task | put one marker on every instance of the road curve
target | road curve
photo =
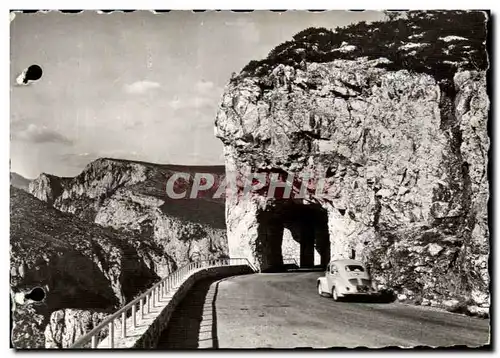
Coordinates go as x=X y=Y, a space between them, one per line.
x=283 y=310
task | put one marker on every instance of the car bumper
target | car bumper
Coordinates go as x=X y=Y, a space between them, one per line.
x=368 y=293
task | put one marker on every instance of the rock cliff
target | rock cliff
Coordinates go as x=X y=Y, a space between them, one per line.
x=77 y=264
x=131 y=197
x=393 y=116
x=66 y=325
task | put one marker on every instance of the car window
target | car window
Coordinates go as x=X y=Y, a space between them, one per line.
x=333 y=269
x=354 y=268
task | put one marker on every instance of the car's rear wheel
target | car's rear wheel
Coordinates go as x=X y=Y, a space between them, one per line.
x=320 y=292
x=335 y=295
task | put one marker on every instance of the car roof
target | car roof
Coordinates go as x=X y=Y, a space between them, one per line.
x=347 y=262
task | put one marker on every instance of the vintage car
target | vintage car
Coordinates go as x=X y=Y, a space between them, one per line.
x=345 y=278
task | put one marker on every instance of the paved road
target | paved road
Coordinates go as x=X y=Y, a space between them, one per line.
x=283 y=310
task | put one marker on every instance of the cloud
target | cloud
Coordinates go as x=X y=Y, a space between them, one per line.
x=81 y=160
x=192 y=103
x=204 y=86
x=140 y=87
x=78 y=160
x=37 y=134
x=204 y=94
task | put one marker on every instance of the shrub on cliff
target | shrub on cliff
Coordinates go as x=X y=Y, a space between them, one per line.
x=435 y=42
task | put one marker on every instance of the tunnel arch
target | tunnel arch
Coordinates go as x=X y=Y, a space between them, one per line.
x=308 y=225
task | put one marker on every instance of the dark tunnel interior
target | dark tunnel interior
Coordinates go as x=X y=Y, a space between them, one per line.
x=308 y=225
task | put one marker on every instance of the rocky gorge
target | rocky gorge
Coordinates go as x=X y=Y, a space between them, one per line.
x=394 y=115
x=130 y=196
x=96 y=241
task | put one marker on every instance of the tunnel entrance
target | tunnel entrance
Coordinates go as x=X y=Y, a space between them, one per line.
x=291 y=229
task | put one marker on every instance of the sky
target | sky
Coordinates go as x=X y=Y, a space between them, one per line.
x=138 y=86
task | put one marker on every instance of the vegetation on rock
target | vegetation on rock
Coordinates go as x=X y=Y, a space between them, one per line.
x=433 y=42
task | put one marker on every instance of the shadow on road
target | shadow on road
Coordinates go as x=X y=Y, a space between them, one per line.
x=193 y=324
x=293 y=268
x=382 y=297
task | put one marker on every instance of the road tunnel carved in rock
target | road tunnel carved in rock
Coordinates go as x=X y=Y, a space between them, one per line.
x=390 y=140
x=306 y=224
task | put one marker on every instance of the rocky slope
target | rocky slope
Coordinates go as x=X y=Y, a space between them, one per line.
x=394 y=116
x=131 y=197
x=78 y=265
x=66 y=325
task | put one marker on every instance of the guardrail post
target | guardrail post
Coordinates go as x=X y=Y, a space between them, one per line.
x=158 y=292
x=153 y=297
x=93 y=343
x=134 y=322
x=124 y=324
x=112 y=334
x=147 y=303
x=141 y=307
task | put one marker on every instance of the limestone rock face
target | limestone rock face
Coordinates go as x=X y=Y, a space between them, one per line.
x=402 y=152
x=131 y=197
x=46 y=187
x=68 y=325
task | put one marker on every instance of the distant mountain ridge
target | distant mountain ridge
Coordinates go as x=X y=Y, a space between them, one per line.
x=131 y=196
x=18 y=181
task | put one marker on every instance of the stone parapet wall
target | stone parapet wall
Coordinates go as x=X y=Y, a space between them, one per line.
x=152 y=334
